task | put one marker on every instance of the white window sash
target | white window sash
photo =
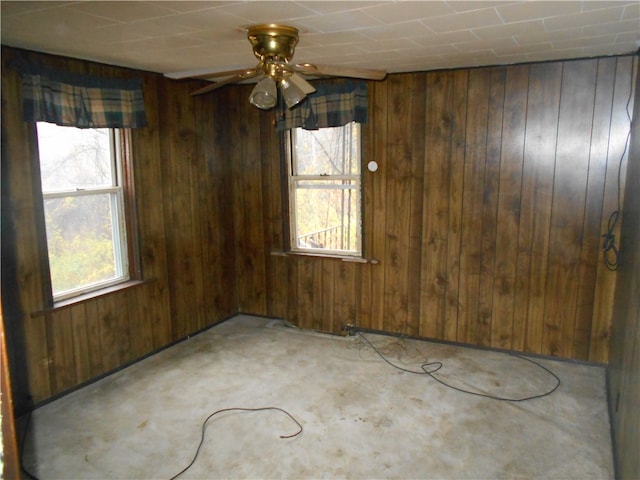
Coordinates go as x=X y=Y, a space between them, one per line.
x=79 y=192
x=296 y=182
x=118 y=222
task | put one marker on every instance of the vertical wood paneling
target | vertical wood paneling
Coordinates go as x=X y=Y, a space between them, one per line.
x=455 y=195
x=491 y=183
x=505 y=333
x=439 y=124
x=369 y=180
x=398 y=195
x=313 y=293
x=80 y=343
x=94 y=336
x=469 y=321
x=148 y=159
x=177 y=147
x=109 y=334
x=277 y=286
x=569 y=181
x=247 y=193
x=589 y=254
x=272 y=186
x=306 y=279
x=38 y=361
x=624 y=370
x=375 y=209
x=185 y=255
x=140 y=326
x=21 y=257
x=416 y=193
x=324 y=306
x=224 y=249
x=199 y=178
x=616 y=168
x=63 y=369
x=346 y=295
x=485 y=214
x=537 y=191
x=293 y=292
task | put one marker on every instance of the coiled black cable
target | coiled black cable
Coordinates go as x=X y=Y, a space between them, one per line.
x=430 y=368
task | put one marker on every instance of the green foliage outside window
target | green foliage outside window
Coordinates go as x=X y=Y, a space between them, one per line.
x=82 y=207
x=325 y=189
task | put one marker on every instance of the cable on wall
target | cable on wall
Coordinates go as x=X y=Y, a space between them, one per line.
x=611 y=254
x=430 y=368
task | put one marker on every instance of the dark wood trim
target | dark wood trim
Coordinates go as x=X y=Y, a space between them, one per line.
x=39 y=214
x=87 y=297
x=10 y=452
x=130 y=206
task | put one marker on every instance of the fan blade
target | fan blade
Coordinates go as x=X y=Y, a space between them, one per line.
x=339 y=71
x=237 y=78
x=203 y=73
x=222 y=74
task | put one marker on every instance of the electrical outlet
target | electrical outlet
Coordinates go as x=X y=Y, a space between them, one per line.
x=349 y=329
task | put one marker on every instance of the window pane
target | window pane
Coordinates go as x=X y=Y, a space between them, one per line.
x=83 y=206
x=328 y=151
x=327 y=215
x=82 y=238
x=73 y=158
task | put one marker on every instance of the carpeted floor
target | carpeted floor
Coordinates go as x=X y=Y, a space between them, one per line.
x=361 y=418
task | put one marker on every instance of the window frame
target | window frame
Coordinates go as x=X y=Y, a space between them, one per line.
x=124 y=222
x=289 y=189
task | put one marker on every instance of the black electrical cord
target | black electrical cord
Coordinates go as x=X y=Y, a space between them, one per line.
x=204 y=426
x=611 y=254
x=430 y=368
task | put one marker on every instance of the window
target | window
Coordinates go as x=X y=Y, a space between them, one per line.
x=325 y=190
x=82 y=187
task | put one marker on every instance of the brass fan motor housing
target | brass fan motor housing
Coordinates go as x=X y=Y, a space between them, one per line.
x=274 y=42
x=274 y=45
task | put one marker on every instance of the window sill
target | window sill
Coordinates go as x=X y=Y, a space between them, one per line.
x=348 y=259
x=87 y=297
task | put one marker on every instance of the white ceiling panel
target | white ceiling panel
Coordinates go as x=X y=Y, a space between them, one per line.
x=392 y=35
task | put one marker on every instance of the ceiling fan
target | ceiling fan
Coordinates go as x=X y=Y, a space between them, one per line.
x=274 y=47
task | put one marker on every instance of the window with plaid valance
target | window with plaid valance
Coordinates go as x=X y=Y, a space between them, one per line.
x=82 y=101
x=331 y=105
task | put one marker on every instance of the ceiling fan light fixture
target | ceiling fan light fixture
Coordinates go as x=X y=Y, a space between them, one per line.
x=291 y=92
x=301 y=83
x=271 y=40
x=274 y=46
x=265 y=94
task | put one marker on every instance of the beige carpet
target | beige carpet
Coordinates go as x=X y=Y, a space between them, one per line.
x=361 y=417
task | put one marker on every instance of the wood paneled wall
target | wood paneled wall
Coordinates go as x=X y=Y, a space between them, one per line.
x=486 y=214
x=185 y=232
x=624 y=367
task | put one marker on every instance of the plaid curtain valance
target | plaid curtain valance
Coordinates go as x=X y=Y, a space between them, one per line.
x=331 y=105
x=82 y=101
